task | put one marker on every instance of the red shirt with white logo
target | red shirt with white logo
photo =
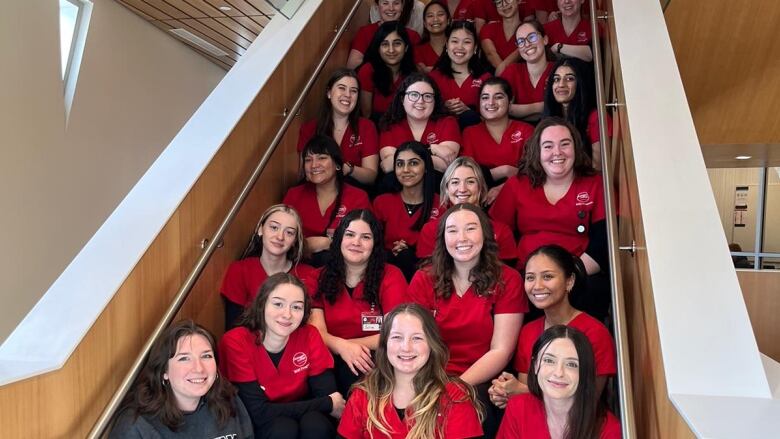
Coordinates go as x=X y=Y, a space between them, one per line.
x=581 y=36
x=526 y=210
x=456 y=414
x=520 y=80
x=598 y=335
x=468 y=91
x=243 y=279
x=396 y=221
x=243 y=360
x=303 y=198
x=344 y=316
x=354 y=147
x=480 y=145
x=436 y=131
x=466 y=323
x=507 y=248
x=366 y=33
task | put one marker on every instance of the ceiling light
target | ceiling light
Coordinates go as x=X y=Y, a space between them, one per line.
x=225 y=8
x=198 y=41
x=743 y=157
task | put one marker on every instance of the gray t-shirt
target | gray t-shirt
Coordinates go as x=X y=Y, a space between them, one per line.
x=199 y=424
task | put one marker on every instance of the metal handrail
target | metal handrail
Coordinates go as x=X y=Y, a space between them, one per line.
x=104 y=420
x=625 y=393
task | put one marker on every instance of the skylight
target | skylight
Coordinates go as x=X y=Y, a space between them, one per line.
x=69 y=14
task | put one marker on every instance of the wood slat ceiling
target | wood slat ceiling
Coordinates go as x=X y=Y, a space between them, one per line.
x=728 y=54
x=231 y=30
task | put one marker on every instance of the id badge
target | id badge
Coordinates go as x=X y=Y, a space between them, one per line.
x=372 y=322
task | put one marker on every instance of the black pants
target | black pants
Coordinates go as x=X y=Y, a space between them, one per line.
x=406 y=261
x=492 y=418
x=344 y=376
x=312 y=425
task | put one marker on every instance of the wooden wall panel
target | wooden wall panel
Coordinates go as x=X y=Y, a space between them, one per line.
x=66 y=403
x=761 y=290
x=654 y=414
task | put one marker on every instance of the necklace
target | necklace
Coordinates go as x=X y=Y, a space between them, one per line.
x=411 y=208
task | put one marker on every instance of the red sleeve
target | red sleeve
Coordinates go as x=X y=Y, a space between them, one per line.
x=414 y=37
x=311 y=280
x=421 y=289
x=235 y=360
x=611 y=429
x=461 y=417
x=542 y=5
x=319 y=355
x=427 y=240
x=603 y=350
x=449 y=130
x=593 y=126
x=379 y=210
x=305 y=134
x=370 y=138
x=365 y=75
x=361 y=200
x=598 y=213
x=468 y=147
x=353 y=420
x=393 y=288
x=525 y=343
x=507 y=247
x=233 y=287
x=363 y=38
x=504 y=209
x=513 y=417
x=512 y=299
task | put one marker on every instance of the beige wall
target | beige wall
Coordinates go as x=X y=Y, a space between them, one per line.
x=136 y=88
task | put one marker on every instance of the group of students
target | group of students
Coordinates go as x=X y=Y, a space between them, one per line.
x=384 y=298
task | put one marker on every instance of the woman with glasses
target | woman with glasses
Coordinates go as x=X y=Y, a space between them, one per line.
x=459 y=72
x=340 y=118
x=437 y=18
x=389 y=60
x=414 y=202
x=463 y=182
x=569 y=34
x=417 y=113
x=497 y=143
x=557 y=198
x=569 y=94
x=476 y=300
x=398 y=11
x=351 y=293
x=276 y=246
x=498 y=37
x=529 y=78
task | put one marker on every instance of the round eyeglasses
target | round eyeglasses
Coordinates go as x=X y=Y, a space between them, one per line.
x=531 y=38
x=415 y=96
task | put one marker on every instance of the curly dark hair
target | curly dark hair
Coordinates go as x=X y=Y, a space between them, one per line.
x=383 y=76
x=476 y=67
x=333 y=275
x=150 y=395
x=531 y=164
x=581 y=104
x=396 y=112
x=485 y=276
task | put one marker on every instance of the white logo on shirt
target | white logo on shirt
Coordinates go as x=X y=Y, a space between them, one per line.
x=516 y=137
x=431 y=138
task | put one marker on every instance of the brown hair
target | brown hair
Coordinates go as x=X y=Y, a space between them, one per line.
x=531 y=163
x=253 y=317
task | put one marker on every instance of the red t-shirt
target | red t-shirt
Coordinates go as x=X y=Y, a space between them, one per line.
x=600 y=340
x=354 y=147
x=468 y=91
x=379 y=102
x=480 y=145
x=525 y=418
x=303 y=198
x=424 y=53
x=507 y=248
x=242 y=360
x=243 y=279
x=396 y=222
x=566 y=223
x=366 y=33
x=466 y=323
x=344 y=317
x=581 y=36
x=436 y=131
x=525 y=92
x=457 y=413
x=494 y=32
x=552 y=6
x=593 y=126
x=466 y=10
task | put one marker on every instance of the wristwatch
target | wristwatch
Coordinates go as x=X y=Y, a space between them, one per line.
x=560 y=46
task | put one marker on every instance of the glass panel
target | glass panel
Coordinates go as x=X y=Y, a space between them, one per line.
x=772 y=212
x=736 y=194
x=287 y=8
x=68 y=14
x=770 y=263
x=743 y=261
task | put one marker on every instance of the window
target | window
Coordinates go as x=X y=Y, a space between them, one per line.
x=74 y=18
x=748 y=201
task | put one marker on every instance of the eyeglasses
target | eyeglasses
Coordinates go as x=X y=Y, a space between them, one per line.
x=415 y=96
x=532 y=38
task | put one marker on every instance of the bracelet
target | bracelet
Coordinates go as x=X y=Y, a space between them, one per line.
x=351 y=168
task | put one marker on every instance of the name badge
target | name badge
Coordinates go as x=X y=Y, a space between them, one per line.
x=371 y=321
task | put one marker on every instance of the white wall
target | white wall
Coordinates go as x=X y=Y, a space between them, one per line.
x=136 y=88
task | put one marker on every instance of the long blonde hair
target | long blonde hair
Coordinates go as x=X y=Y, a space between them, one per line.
x=429 y=383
